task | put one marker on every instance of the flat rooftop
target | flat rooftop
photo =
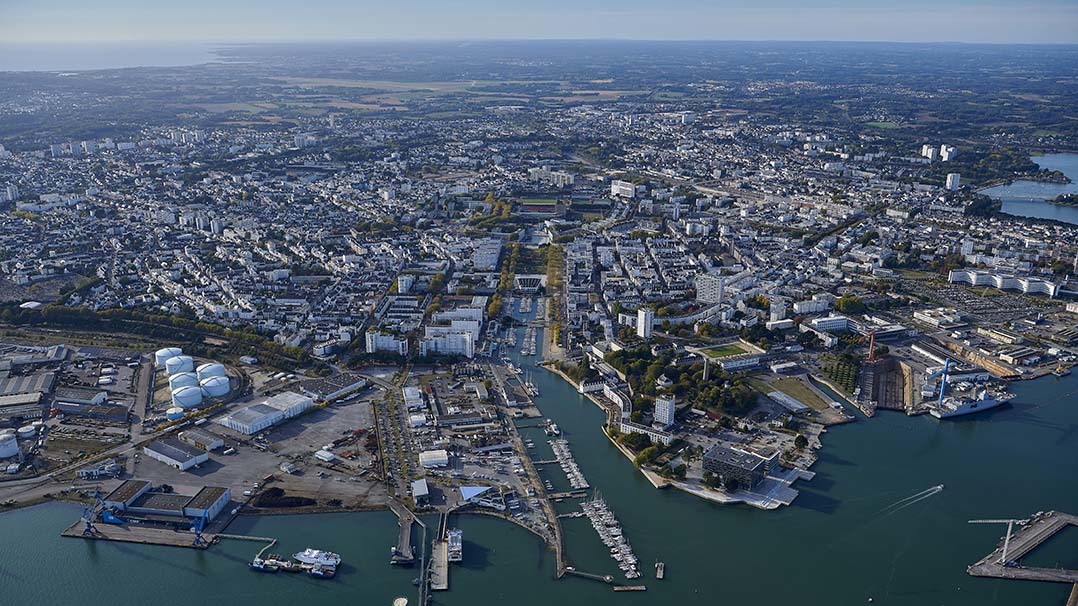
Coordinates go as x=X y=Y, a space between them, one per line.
x=162 y=502
x=125 y=491
x=736 y=458
x=206 y=497
x=175 y=449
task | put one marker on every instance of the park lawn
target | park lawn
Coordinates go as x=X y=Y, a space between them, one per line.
x=795 y=388
x=725 y=351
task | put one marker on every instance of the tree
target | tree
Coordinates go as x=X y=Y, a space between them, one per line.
x=732 y=484
x=800 y=442
x=849 y=304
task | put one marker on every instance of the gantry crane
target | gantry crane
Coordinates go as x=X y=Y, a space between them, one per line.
x=1007 y=539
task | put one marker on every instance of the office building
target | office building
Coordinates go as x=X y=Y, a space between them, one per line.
x=747 y=468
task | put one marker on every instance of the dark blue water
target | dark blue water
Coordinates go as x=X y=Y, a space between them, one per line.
x=1028 y=198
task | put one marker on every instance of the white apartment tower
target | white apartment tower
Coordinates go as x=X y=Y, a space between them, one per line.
x=645 y=318
x=665 y=407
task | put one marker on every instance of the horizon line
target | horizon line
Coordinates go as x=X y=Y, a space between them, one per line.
x=463 y=40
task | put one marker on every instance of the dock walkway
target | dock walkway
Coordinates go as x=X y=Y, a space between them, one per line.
x=403 y=552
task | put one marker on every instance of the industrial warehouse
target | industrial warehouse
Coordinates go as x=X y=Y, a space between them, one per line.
x=253 y=419
x=137 y=500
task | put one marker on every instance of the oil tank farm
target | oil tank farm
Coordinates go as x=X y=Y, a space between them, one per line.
x=9 y=446
x=187 y=397
x=165 y=354
x=211 y=369
x=215 y=386
x=182 y=379
x=179 y=364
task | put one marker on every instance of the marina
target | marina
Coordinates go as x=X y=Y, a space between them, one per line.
x=606 y=524
x=565 y=458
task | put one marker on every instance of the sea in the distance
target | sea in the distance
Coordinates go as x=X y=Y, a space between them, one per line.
x=842 y=542
x=83 y=56
x=1030 y=198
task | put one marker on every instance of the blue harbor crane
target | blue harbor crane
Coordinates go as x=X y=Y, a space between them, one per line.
x=198 y=526
x=943 y=380
x=97 y=510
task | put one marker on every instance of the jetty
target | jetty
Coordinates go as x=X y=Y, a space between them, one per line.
x=439 y=560
x=403 y=552
x=1003 y=562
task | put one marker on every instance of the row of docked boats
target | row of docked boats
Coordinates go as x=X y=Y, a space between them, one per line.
x=565 y=459
x=529 y=347
x=551 y=428
x=316 y=563
x=609 y=529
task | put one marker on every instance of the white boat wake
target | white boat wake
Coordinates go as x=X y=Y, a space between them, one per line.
x=901 y=504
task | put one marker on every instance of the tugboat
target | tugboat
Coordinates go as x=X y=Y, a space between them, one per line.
x=322 y=572
x=262 y=565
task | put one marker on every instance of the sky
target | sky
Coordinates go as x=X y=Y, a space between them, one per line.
x=997 y=21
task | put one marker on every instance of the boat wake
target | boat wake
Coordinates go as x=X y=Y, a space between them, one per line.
x=913 y=499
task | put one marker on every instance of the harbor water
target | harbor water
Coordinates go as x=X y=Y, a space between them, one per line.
x=852 y=534
x=1029 y=198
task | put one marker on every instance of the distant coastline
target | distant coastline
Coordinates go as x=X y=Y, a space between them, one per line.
x=28 y=57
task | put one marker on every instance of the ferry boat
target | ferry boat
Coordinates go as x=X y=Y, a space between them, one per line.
x=456 y=545
x=316 y=556
x=957 y=406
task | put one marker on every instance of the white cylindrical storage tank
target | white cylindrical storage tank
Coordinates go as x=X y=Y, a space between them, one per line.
x=7 y=431
x=211 y=369
x=26 y=432
x=182 y=379
x=174 y=414
x=215 y=387
x=187 y=397
x=9 y=446
x=179 y=364
x=165 y=354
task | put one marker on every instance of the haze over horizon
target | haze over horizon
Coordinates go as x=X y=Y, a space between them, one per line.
x=973 y=21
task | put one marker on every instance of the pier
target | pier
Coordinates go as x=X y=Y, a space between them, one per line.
x=145 y=535
x=403 y=553
x=571 y=494
x=602 y=578
x=439 y=560
x=269 y=541
x=1002 y=563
